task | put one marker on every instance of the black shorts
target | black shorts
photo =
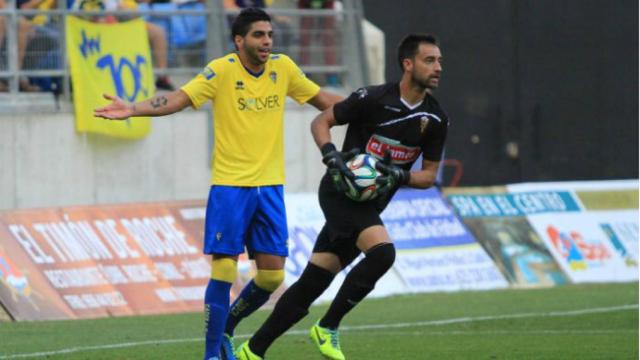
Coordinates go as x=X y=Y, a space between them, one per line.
x=345 y=220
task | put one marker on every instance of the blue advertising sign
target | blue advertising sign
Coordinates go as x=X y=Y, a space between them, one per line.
x=514 y=204
x=418 y=219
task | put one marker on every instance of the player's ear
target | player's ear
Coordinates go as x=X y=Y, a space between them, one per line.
x=407 y=64
x=237 y=41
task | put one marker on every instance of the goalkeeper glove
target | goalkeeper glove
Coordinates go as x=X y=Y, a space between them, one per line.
x=392 y=175
x=336 y=162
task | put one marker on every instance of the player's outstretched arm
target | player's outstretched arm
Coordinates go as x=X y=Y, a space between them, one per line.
x=323 y=100
x=164 y=104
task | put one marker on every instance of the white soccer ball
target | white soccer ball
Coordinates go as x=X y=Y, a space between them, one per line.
x=363 y=187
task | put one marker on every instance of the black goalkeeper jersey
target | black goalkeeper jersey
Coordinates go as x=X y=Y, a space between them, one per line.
x=379 y=122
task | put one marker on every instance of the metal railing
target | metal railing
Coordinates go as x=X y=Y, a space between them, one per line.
x=327 y=44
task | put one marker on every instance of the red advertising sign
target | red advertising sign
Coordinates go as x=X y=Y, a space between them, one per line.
x=94 y=261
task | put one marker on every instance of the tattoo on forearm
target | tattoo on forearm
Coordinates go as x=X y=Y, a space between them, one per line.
x=158 y=102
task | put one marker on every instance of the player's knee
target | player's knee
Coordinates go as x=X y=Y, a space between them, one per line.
x=377 y=262
x=383 y=256
x=269 y=280
x=224 y=269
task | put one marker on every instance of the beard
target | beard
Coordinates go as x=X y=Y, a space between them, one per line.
x=423 y=83
x=254 y=57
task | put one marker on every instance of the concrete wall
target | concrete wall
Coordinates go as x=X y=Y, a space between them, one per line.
x=543 y=90
x=44 y=162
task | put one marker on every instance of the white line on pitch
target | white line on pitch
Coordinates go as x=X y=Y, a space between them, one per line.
x=344 y=328
x=506 y=332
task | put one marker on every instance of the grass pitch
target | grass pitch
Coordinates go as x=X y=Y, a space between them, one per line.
x=568 y=322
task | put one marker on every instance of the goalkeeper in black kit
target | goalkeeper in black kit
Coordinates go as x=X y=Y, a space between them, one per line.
x=395 y=123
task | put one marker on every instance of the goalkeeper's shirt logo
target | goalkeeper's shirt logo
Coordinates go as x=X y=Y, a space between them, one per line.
x=400 y=154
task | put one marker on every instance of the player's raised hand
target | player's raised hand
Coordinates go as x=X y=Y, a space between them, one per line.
x=391 y=175
x=336 y=162
x=117 y=110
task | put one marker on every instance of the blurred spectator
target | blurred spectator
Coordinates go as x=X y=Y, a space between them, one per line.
x=159 y=47
x=157 y=36
x=94 y=5
x=186 y=34
x=318 y=29
x=26 y=31
x=43 y=48
x=41 y=19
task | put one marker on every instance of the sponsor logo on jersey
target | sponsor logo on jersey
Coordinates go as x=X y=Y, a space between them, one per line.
x=400 y=154
x=259 y=104
x=239 y=85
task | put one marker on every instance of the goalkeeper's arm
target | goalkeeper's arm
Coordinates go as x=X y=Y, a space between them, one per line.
x=321 y=125
x=163 y=104
x=426 y=177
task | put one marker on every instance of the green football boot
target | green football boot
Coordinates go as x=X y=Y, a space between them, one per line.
x=327 y=342
x=244 y=353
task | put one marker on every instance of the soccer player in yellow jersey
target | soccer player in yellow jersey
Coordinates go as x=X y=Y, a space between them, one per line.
x=246 y=203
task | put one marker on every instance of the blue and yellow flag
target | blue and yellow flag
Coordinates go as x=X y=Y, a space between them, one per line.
x=112 y=59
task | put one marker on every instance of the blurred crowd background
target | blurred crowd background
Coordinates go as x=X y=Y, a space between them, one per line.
x=180 y=36
x=542 y=90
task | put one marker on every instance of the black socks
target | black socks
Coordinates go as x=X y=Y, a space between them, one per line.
x=359 y=282
x=292 y=306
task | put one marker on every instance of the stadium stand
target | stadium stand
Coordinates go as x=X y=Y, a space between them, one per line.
x=183 y=36
x=34 y=37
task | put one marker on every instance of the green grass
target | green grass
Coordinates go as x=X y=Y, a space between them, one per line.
x=610 y=334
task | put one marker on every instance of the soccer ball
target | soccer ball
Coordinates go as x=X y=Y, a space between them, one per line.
x=363 y=187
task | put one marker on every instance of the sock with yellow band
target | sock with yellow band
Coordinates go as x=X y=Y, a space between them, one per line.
x=216 y=302
x=253 y=296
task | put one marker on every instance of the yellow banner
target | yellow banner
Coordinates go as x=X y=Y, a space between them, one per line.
x=112 y=59
x=609 y=199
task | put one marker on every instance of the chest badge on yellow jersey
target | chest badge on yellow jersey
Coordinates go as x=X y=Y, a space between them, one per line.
x=274 y=76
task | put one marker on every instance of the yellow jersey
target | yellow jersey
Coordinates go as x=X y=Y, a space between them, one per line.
x=248 y=116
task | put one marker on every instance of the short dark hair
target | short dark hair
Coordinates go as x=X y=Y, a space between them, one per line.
x=242 y=22
x=409 y=46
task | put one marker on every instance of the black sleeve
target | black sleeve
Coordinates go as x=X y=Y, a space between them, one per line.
x=349 y=110
x=434 y=138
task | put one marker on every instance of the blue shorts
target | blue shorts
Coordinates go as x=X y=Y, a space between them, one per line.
x=254 y=217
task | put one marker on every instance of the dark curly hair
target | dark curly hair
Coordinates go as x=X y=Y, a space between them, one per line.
x=242 y=22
